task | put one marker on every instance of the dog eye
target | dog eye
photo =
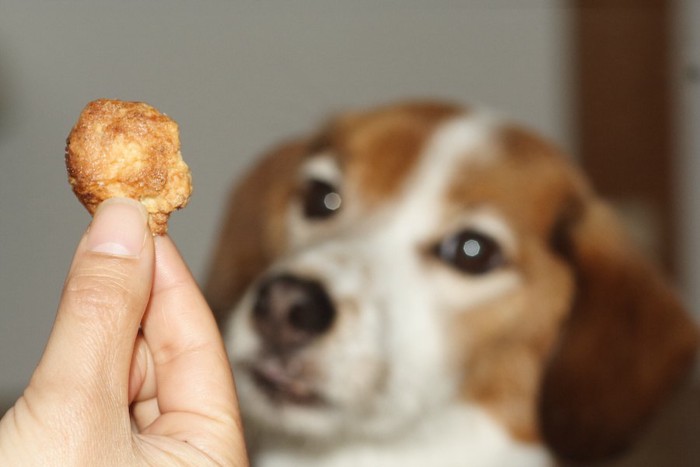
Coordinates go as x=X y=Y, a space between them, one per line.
x=471 y=252
x=320 y=200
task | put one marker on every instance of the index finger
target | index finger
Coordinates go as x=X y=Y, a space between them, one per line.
x=193 y=375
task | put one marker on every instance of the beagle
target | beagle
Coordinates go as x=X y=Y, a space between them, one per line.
x=426 y=285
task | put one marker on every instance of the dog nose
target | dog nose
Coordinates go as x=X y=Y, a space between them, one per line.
x=290 y=311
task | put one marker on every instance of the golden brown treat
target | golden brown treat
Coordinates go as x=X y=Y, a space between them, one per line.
x=128 y=149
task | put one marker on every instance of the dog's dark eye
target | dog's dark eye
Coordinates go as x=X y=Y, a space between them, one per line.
x=320 y=200
x=471 y=252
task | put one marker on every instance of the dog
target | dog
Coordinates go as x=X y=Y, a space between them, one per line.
x=424 y=284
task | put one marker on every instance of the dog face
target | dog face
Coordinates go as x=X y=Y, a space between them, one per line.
x=421 y=256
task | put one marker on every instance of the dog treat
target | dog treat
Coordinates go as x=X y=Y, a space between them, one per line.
x=128 y=149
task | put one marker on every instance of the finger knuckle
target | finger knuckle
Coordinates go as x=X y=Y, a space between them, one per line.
x=95 y=288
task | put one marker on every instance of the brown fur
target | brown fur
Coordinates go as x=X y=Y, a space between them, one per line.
x=579 y=355
x=376 y=149
x=252 y=233
x=510 y=338
x=626 y=343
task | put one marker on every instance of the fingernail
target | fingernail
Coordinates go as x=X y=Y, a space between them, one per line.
x=118 y=228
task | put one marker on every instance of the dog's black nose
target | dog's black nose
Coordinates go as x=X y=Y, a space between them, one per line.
x=290 y=311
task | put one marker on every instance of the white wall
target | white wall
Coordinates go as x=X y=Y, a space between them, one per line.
x=688 y=75
x=237 y=76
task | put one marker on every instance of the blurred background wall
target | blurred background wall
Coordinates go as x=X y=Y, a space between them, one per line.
x=687 y=118
x=240 y=76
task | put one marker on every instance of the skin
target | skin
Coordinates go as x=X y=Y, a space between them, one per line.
x=108 y=393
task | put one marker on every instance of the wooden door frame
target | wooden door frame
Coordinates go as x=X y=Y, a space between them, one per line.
x=624 y=108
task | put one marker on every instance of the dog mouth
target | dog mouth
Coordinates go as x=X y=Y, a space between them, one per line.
x=282 y=386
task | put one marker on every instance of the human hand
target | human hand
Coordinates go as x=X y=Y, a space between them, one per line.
x=135 y=371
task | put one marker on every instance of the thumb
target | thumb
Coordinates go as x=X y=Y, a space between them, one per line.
x=106 y=292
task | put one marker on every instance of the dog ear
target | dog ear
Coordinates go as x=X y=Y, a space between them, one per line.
x=624 y=347
x=252 y=230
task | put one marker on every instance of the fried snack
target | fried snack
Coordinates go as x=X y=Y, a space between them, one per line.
x=128 y=149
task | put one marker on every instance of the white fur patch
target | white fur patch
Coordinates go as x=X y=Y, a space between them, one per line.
x=322 y=166
x=458 y=437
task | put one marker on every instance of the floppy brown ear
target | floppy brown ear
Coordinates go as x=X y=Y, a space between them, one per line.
x=624 y=347
x=252 y=230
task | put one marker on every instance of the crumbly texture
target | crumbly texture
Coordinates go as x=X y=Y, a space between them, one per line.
x=128 y=149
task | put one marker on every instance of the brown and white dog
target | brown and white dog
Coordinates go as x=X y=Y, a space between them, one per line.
x=424 y=285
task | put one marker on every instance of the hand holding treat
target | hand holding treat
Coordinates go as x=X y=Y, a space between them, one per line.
x=128 y=149
x=135 y=371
